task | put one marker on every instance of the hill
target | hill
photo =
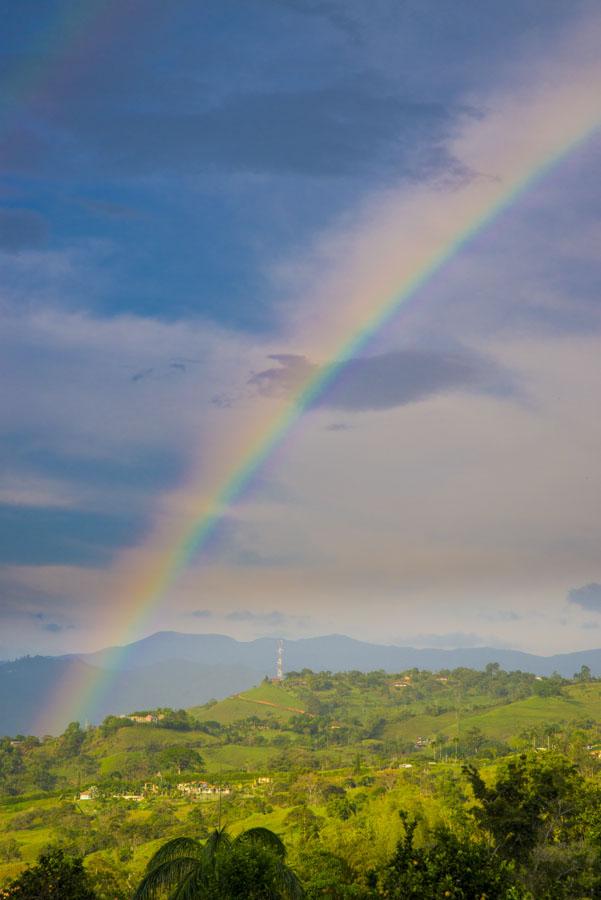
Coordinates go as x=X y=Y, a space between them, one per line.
x=173 y=669
x=29 y=688
x=303 y=756
x=335 y=652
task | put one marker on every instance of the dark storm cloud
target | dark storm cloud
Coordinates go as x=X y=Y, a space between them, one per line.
x=50 y=536
x=21 y=229
x=134 y=472
x=340 y=15
x=387 y=380
x=105 y=208
x=587 y=597
x=331 y=130
x=50 y=626
x=17 y=600
x=15 y=597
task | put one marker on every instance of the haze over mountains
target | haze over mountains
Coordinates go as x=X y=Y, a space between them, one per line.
x=180 y=670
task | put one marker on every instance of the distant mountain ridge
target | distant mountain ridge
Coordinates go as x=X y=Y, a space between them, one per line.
x=174 y=669
x=335 y=652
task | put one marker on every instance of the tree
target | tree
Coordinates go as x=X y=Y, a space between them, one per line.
x=584 y=674
x=177 y=719
x=304 y=819
x=54 y=877
x=327 y=875
x=11 y=765
x=71 y=740
x=181 y=759
x=447 y=867
x=10 y=850
x=41 y=776
x=111 y=724
x=251 y=866
x=531 y=800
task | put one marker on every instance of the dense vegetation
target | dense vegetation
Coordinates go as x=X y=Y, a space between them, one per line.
x=458 y=784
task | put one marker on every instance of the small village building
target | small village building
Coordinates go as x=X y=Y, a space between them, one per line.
x=202 y=789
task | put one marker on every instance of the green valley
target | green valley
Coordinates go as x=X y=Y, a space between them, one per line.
x=342 y=766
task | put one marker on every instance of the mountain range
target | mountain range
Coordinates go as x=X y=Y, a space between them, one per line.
x=179 y=670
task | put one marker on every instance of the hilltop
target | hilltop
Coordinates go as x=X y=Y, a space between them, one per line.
x=172 y=669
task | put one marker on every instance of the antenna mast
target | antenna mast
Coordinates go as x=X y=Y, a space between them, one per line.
x=280 y=661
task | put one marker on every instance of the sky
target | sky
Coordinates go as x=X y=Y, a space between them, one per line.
x=199 y=203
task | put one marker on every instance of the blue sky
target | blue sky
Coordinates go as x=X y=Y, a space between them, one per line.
x=185 y=189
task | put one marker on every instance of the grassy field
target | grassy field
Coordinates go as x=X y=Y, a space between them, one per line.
x=267 y=701
x=580 y=703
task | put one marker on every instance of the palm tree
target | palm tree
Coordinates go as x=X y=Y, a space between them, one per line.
x=223 y=868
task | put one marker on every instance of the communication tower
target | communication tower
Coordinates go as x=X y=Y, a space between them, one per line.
x=280 y=662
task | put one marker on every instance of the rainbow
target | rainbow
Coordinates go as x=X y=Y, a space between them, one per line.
x=57 y=52
x=152 y=578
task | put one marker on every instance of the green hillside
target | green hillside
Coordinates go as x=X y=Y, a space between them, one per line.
x=316 y=754
x=267 y=701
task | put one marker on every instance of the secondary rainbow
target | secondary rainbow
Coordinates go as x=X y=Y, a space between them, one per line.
x=57 y=54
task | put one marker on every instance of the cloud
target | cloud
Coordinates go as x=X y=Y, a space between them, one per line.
x=340 y=129
x=16 y=606
x=273 y=618
x=51 y=536
x=49 y=625
x=55 y=628
x=501 y=615
x=587 y=597
x=263 y=618
x=17 y=489
x=332 y=11
x=385 y=381
x=22 y=599
x=108 y=209
x=21 y=229
x=453 y=640
x=288 y=376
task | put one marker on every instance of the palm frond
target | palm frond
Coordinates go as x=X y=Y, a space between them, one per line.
x=167 y=875
x=289 y=883
x=263 y=837
x=216 y=841
x=194 y=886
x=178 y=847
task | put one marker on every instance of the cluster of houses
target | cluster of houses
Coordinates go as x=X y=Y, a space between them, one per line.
x=146 y=719
x=202 y=789
x=92 y=793
x=205 y=789
x=191 y=789
x=407 y=680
